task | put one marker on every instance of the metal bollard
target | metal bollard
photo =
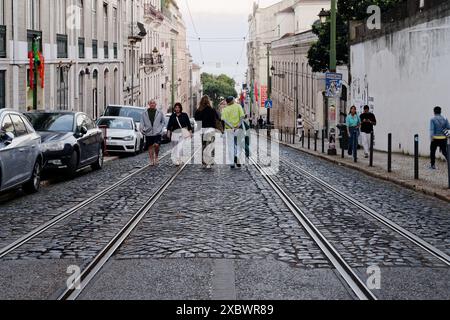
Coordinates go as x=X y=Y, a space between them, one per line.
x=303 y=138
x=309 y=139
x=323 y=140
x=281 y=134
x=294 y=131
x=390 y=152
x=416 y=157
x=371 y=149
x=316 y=134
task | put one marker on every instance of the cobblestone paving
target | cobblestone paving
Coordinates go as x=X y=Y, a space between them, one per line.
x=427 y=217
x=84 y=234
x=222 y=214
x=24 y=213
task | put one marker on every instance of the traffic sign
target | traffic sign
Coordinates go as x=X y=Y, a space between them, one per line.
x=268 y=104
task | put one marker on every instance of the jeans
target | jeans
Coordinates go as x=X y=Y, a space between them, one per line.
x=442 y=144
x=353 y=141
x=366 y=141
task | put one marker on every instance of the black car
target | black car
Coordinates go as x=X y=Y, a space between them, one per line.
x=70 y=140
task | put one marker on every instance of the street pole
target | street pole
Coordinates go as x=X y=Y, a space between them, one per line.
x=35 y=85
x=331 y=100
x=132 y=53
x=173 y=75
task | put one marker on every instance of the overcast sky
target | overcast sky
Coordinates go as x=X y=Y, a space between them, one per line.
x=215 y=20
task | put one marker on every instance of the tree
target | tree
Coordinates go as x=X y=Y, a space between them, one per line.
x=348 y=10
x=218 y=87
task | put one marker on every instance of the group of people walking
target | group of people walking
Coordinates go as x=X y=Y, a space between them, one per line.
x=364 y=125
x=231 y=122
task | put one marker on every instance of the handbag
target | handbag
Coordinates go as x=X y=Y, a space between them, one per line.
x=185 y=132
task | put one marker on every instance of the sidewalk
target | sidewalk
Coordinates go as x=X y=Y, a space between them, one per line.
x=431 y=182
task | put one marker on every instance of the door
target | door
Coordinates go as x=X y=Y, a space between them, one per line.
x=25 y=146
x=94 y=138
x=9 y=156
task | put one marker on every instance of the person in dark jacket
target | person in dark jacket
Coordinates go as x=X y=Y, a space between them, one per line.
x=438 y=127
x=210 y=122
x=179 y=130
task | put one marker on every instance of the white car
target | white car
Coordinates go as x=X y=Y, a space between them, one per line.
x=122 y=134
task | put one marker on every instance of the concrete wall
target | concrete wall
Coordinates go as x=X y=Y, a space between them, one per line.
x=404 y=75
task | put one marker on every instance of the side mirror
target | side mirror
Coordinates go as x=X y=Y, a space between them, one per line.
x=7 y=138
x=83 y=130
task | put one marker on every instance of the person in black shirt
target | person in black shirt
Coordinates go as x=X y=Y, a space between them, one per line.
x=179 y=130
x=210 y=122
x=368 y=121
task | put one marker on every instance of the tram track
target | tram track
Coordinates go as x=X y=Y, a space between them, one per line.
x=348 y=275
x=70 y=212
x=349 y=200
x=98 y=262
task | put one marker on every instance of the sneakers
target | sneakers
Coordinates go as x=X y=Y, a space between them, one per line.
x=366 y=155
x=432 y=167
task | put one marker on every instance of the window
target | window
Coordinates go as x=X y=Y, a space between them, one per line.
x=115 y=25
x=2 y=89
x=94 y=49
x=94 y=19
x=61 y=40
x=2 y=41
x=19 y=126
x=106 y=49
x=62 y=86
x=115 y=51
x=61 y=16
x=80 y=4
x=81 y=48
x=84 y=121
x=33 y=14
x=105 y=22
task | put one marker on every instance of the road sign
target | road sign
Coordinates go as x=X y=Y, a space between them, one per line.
x=333 y=84
x=268 y=104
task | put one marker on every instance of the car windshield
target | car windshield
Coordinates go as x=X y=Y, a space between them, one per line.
x=58 y=122
x=123 y=124
x=124 y=112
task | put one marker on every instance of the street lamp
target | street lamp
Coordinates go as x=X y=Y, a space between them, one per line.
x=324 y=15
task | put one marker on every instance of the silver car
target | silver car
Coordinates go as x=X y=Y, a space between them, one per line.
x=20 y=155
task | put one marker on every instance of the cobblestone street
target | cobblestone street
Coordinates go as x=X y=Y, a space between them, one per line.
x=224 y=234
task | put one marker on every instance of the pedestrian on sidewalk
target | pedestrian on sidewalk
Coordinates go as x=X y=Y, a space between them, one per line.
x=368 y=121
x=210 y=123
x=438 y=127
x=261 y=122
x=299 y=126
x=353 y=124
x=179 y=130
x=152 y=126
x=233 y=115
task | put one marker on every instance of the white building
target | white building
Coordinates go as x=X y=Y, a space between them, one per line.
x=401 y=72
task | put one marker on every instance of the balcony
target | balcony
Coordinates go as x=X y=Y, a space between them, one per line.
x=152 y=15
x=151 y=62
x=137 y=32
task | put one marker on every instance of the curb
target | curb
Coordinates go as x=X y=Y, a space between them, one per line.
x=403 y=183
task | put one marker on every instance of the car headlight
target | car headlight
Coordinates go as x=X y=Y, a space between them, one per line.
x=52 y=146
x=129 y=138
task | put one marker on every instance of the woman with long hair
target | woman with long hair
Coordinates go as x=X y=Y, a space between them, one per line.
x=210 y=122
x=179 y=130
x=353 y=122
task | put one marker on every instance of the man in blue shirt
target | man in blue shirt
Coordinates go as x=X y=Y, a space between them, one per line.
x=438 y=127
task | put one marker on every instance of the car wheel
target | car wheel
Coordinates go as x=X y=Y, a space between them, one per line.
x=34 y=184
x=72 y=166
x=98 y=165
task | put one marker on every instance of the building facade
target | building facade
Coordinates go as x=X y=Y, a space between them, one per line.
x=84 y=55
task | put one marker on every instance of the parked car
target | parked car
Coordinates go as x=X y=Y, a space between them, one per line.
x=70 y=140
x=122 y=134
x=127 y=112
x=20 y=156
